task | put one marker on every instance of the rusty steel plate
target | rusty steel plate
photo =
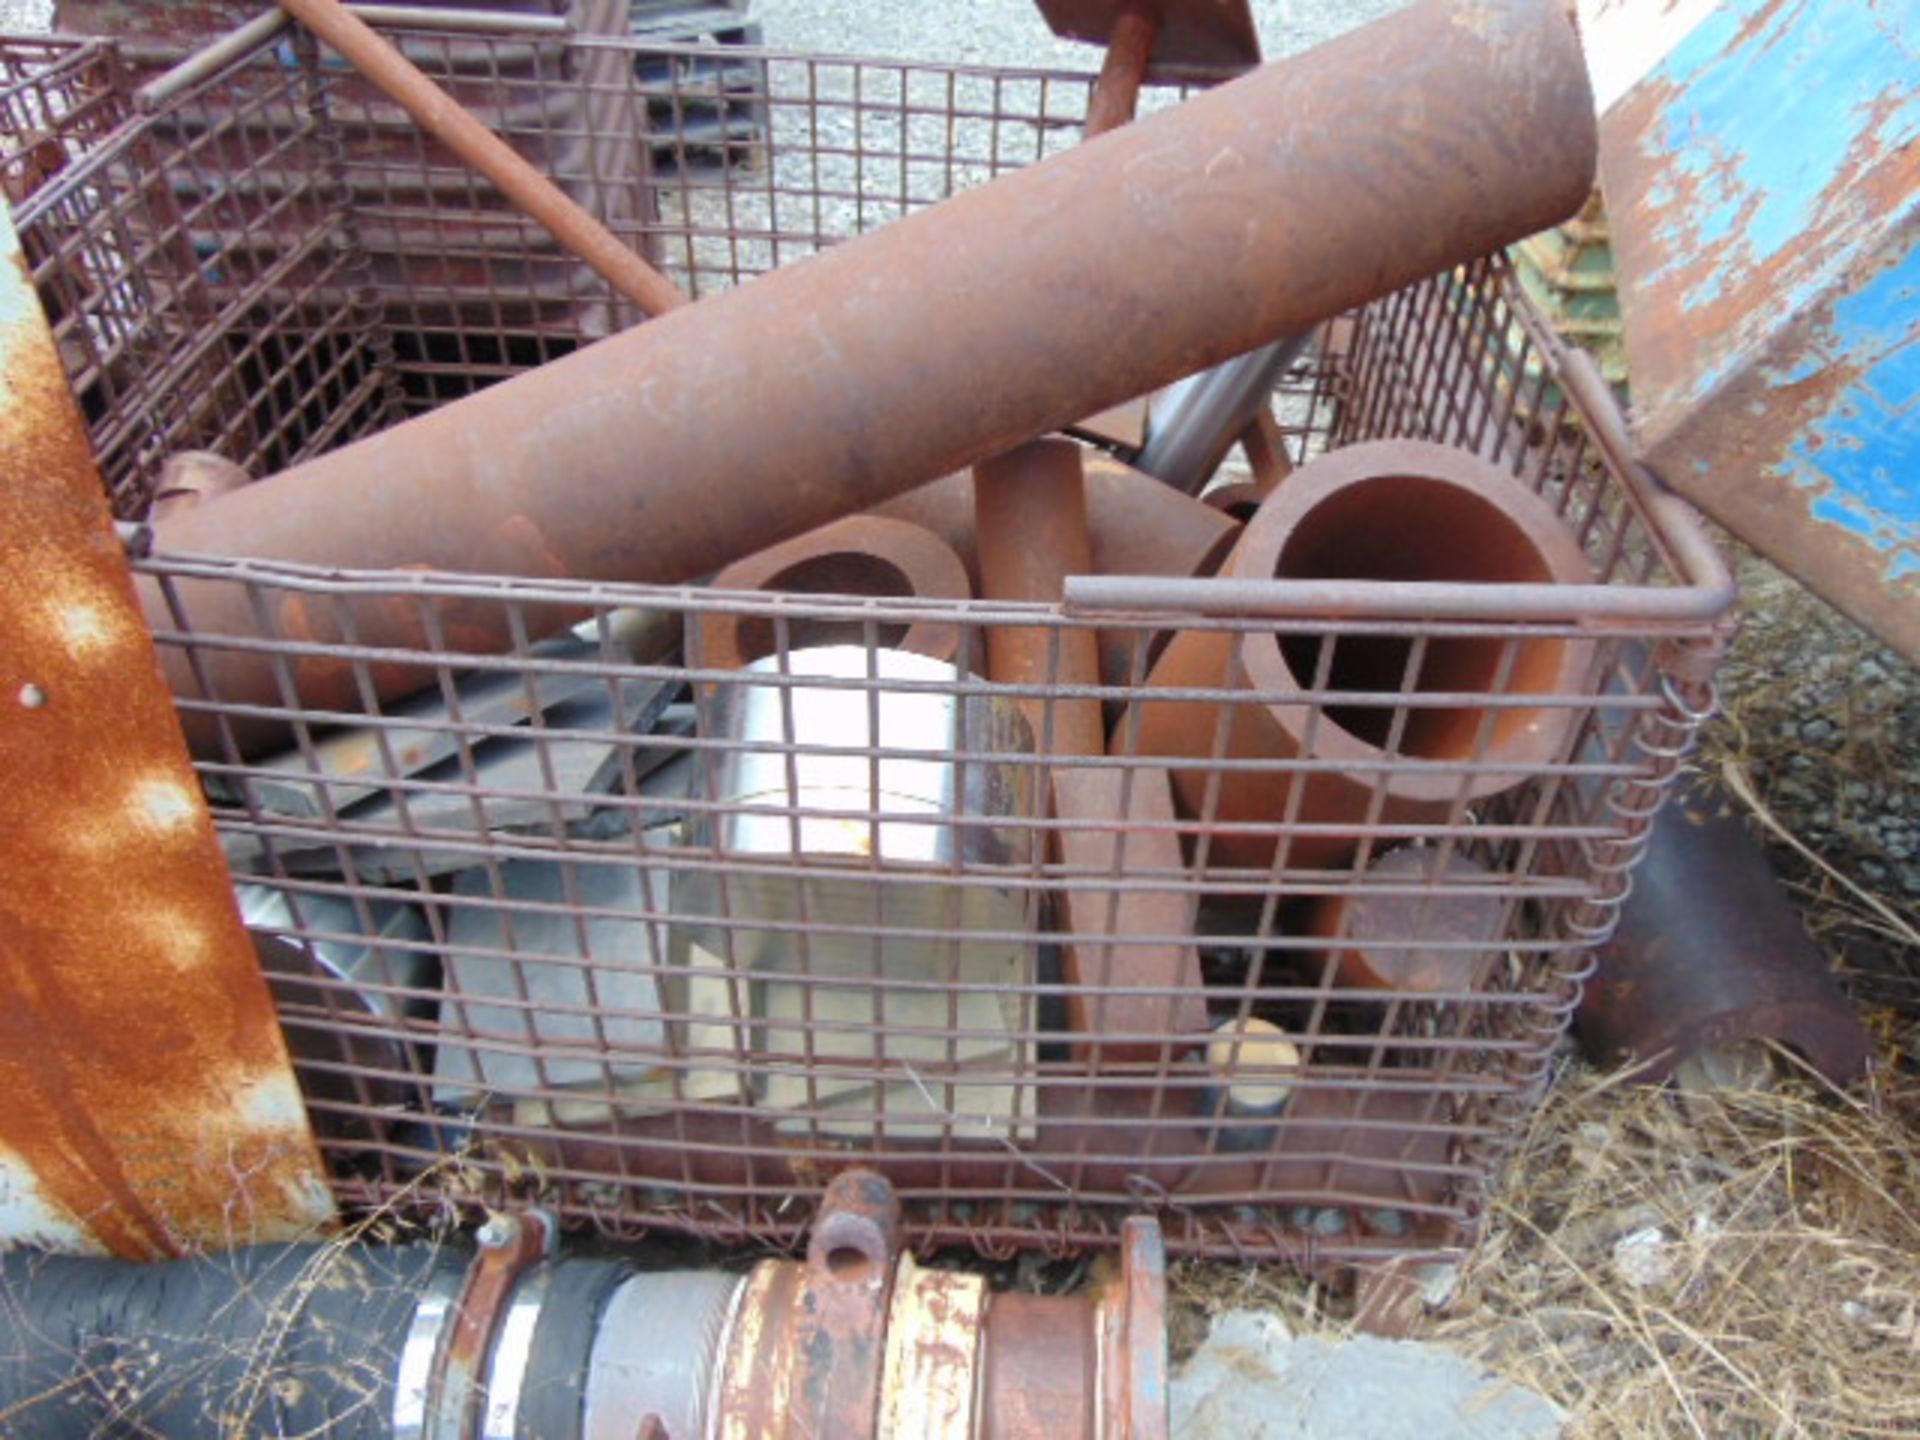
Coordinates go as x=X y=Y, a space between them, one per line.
x=1197 y=39
x=1761 y=163
x=150 y=1105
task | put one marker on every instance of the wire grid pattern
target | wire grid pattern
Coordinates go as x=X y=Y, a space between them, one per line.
x=58 y=97
x=590 y=918
x=200 y=274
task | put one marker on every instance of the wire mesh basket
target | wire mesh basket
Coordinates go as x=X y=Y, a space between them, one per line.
x=691 y=897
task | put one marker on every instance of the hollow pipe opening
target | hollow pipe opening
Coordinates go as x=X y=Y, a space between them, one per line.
x=1426 y=529
x=840 y=572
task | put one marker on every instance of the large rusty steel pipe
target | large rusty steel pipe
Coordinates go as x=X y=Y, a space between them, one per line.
x=1386 y=511
x=1030 y=510
x=443 y=117
x=1439 y=134
x=1710 y=954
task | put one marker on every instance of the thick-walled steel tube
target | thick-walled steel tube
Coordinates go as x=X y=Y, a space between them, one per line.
x=1136 y=526
x=952 y=335
x=861 y=555
x=1030 y=509
x=1387 y=511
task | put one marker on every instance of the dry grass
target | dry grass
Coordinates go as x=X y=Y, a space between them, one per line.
x=1820 y=736
x=1771 y=1287
x=1779 y=1289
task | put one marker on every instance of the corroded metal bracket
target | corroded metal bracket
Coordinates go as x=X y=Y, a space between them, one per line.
x=150 y=1105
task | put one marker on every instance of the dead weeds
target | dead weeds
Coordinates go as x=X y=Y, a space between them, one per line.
x=1741 y=1263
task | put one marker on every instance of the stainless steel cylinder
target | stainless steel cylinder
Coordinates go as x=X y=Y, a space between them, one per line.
x=840 y=801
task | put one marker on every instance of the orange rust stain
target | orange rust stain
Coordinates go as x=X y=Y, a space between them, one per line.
x=132 y=1011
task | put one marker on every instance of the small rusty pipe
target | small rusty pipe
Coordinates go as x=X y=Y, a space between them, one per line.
x=1418 y=922
x=444 y=118
x=1136 y=526
x=934 y=342
x=1116 y=93
x=861 y=555
x=1710 y=954
x=1030 y=508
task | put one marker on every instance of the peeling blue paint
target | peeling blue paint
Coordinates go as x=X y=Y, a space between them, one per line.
x=1763 y=125
x=1863 y=455
x=1774 y=322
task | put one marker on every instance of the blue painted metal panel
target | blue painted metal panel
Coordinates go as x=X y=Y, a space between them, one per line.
x=1763 y=177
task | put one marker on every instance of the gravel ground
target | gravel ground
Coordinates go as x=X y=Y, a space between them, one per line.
x=29 y=16
x=1011 y=32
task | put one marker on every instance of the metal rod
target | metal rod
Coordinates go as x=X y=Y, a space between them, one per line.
x=936 y=341
x=443 y=117
x=215 y=56
x=1031 y=517
x=1116 y=93
x=1200 y=418
x=1387 y=599
x=465 y=22
x=210 y=59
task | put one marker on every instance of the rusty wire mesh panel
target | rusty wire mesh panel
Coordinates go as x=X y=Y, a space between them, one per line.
x=611 y=922
x=203 y=283
x=58 y=98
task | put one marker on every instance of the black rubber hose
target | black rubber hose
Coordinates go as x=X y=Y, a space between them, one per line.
x=279 y=1340
x=553 y=1396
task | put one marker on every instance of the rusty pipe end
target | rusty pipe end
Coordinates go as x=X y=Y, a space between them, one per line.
x=857 y=1237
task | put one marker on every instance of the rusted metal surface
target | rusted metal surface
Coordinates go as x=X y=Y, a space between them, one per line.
x=1030 y=517
x=1373 y=513
x=1710 y=954
x=564 y=471
x=1430 y=925
x=931 y=1387
x=1041 y=1369
x=1133 y=1350
x=1761 y=163
x=1022 y=1144
x=1136 y=526
x=455 y=127
x=1191 y=39
x=809 y=1345
x=509 y=1246
x=840 y=1333
x=1130 y=45
x=861 y=555
x=1135 y=982
x=150 y=1104
x=858 y=1340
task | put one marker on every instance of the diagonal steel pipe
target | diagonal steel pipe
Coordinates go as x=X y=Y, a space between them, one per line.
x=1439 y=134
